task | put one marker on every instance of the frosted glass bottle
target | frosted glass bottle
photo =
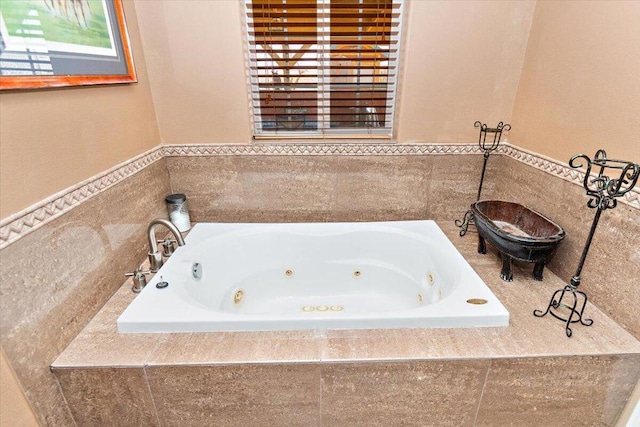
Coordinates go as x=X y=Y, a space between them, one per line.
x=178 y=211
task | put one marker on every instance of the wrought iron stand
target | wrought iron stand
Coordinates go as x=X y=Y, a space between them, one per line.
x=603 y=192
x=487 y=148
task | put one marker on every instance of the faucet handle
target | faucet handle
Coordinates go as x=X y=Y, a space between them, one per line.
x=139 y=279
x=168 y=246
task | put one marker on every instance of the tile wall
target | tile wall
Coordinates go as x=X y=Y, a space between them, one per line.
x=382 y=377
x=58 y=275
x=558 y=391
x=441 y=185
x=255 y=188
x=612 y=267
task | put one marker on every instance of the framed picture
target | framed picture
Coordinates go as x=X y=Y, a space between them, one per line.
x=55 y=43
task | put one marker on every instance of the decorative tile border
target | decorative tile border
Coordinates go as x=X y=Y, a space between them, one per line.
x=30 y=219
x=319 y=149
x=560 y=170
x=22 y=223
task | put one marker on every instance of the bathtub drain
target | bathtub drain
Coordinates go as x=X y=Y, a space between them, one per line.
x=196 y=270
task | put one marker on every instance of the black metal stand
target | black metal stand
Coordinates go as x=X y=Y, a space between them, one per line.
x=468 y=219
x=603 y=192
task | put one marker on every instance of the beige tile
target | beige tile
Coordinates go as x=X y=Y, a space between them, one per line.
x=237 y=395
x=404 y=344
x=56 y=278
x=383 y=188
x=454 y=185
x=526 y=335
x=254 y=188
x=105 y=320
x=611 y=270
x=237 y=347
x=438 y=393
x=100 y=349
x=557 y=391
x=211 y=184
x=304 y=188
x=612 y=266
x=320 y=188
x=286 y=184
x=108 y=396
x=100 y=345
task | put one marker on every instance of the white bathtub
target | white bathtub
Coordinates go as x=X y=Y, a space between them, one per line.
x=255 y=277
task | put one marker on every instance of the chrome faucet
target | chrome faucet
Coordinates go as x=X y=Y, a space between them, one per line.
x=155 y=257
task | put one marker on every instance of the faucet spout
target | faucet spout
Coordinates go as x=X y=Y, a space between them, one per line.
x=155 y=257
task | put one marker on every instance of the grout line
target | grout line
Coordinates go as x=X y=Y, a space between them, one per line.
x=484 y=385
x=153 y=401
x=64 y=398
x=320 y=398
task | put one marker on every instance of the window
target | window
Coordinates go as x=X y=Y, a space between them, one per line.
x=323 y=67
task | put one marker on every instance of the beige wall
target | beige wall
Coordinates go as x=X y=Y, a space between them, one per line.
x=464 y=64
x=53 y=139
x=578 y=89
x=194 y=52
x=463 y=61
x=14 y=406
x=580 y=86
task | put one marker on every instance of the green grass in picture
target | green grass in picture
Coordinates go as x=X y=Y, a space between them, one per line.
x=55 y=24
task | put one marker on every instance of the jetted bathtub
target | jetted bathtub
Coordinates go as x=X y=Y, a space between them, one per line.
x=256 y=277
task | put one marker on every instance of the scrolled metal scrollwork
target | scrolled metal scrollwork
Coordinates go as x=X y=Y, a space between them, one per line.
x=603 y=190
x=575 y=314
x=492 y=145
x=466 y=221
x=487 y=148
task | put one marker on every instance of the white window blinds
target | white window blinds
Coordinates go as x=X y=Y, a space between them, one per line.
x=323 y=67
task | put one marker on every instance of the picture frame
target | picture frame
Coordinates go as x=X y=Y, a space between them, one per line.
x=59 y=43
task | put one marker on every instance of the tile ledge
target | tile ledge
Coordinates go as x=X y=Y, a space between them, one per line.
x=496 y=339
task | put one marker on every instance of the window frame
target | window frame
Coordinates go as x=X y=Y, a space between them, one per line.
x=323 y=121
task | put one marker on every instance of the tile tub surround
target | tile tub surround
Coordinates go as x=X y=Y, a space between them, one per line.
x=286 y=188
x=461 y=376
x=59 y=275
x=37 y=234
x=355 y=182
x=77 y=223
